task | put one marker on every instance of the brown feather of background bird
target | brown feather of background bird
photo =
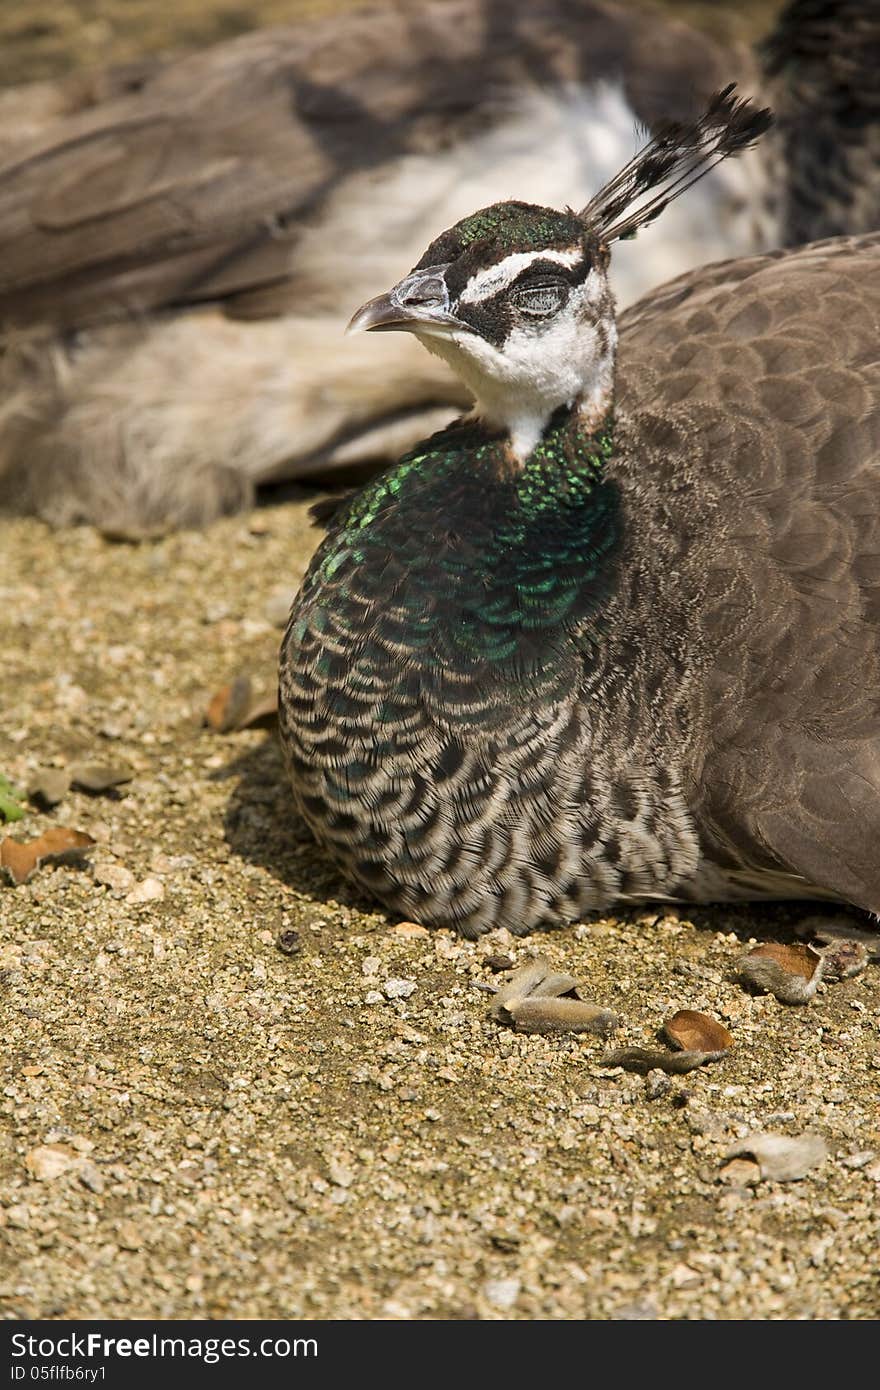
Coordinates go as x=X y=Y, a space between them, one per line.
x=181 y=242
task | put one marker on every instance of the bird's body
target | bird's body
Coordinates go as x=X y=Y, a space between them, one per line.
x=438 y=677
x=638 y=660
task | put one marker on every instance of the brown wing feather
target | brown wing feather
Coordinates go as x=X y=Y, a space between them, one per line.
x=769 y=371
x=192 y=186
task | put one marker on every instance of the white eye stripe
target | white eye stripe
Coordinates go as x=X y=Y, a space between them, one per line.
x=495 y=278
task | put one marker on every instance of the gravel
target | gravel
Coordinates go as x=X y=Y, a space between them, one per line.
x=197 y=1124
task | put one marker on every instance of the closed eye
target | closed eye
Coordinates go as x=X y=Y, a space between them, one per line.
x=539 y=301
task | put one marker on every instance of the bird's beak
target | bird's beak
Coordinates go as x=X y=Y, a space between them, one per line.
x=420 y=301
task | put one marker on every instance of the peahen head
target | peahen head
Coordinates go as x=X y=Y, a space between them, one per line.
x=516 y=297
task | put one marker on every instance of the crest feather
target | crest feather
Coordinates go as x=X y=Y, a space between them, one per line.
x=679 y=154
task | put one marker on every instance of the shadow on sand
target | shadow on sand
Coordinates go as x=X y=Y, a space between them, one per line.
x=262 y=827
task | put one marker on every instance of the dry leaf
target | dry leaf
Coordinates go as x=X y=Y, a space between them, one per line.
x=99 y=777
x=58 y=845
x=844 y=959
x=229 y=705
x=410 y=929
x=543 y=1014
x=690 y=1031
x=261 y=713
x=49 y=785
x=531 y=998
x=645 y=1059
x=520 y=983
x=235 y=707
x=129 y=1236
x=782 y=1159
x=791 y=973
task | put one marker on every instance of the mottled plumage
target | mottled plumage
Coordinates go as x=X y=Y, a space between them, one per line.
x=645 y=665
x=760 y=381
x=436 y=685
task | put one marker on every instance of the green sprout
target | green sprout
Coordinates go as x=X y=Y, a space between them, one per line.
x=10 y=797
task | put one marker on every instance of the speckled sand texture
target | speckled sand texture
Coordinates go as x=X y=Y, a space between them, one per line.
x=198 y=1125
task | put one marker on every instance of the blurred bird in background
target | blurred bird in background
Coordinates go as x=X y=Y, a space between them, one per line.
x=182 y=240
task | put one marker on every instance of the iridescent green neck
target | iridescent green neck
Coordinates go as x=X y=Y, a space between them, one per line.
x=490 y=561
x=565 y=468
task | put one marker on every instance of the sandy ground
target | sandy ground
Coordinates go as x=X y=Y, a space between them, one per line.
x=196 y=1124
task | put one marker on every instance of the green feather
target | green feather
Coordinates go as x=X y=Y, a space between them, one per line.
x=451 y=555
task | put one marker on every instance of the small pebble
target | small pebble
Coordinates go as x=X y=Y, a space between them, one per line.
x=49 y=785
x=497 y=963
x=642 y=1310
x=91 y=1178
x=501 y=1293
x=860 y=1159
x=410 y=930
x=149 y=890
x=170 y=863
x=128 y=1236
x=741 y=1172
x=114 y=876
x=339 y=1174
x=398 y=989
x=277 y=608
x=49 y=1161
x=657 y=1084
